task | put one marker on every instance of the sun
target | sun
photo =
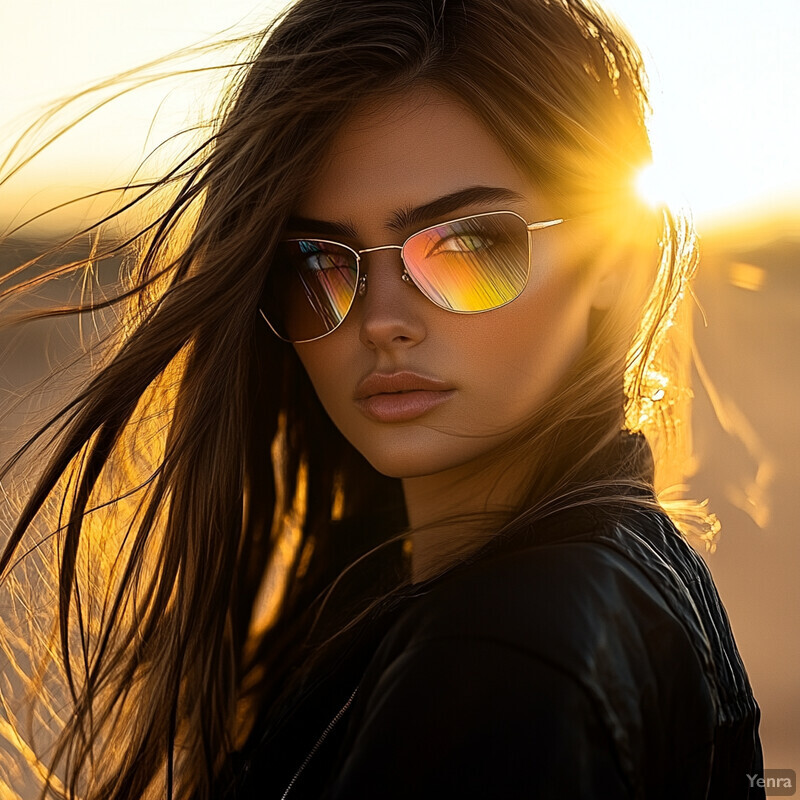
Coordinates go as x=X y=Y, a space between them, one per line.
x=658 y=186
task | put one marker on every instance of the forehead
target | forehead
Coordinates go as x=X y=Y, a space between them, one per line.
x=404 y=151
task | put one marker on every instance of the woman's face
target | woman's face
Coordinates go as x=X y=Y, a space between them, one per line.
x=419 y=390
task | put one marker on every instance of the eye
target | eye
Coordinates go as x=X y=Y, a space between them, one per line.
x=320 y=257
x=462 y=243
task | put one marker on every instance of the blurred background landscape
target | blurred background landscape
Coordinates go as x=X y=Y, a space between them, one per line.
x=725 y=128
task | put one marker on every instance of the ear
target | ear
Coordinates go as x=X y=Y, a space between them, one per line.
x=609 y=267
x=608 y=287
x=625 y=263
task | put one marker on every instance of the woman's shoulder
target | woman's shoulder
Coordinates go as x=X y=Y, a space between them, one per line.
x=536 y=659
x=581 y=606
x=572 y=599
x=591 y=586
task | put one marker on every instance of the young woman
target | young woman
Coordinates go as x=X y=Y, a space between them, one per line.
x=362 y=502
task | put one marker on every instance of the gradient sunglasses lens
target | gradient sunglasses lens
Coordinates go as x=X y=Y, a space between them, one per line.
x=470 y=265
x=310 y=288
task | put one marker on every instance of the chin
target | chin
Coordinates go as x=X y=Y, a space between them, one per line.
x=403 y=465
x=413 y=459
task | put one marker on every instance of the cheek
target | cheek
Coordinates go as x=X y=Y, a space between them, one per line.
x=519 y=353
x=328 y=365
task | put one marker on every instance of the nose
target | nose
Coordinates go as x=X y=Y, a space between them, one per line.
x=391 y=309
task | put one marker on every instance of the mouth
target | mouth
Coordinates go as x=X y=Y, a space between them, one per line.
x=400 y=396
x=402 y=406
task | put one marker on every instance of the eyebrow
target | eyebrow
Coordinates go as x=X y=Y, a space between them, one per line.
x=406 y=218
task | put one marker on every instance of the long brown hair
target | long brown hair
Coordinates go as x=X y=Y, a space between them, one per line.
x=191 y=487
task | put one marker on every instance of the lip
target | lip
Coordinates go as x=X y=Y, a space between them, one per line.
x=400 y=396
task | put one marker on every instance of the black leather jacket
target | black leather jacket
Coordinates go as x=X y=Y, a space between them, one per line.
x=588 y=658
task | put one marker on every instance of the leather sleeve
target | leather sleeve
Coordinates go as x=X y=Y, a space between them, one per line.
x=475 y=718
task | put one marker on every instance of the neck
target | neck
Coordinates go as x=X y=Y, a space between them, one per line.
x=453 y=513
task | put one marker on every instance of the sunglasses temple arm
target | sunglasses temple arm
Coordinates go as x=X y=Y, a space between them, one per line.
x=536 y=226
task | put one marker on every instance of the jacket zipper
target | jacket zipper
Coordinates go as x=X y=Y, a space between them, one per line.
x=318 y=743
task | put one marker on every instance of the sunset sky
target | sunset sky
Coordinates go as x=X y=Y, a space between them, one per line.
x=725 y=79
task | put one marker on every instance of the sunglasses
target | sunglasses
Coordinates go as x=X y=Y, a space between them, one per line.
x=467 y=265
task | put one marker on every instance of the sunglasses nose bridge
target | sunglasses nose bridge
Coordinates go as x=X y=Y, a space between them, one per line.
x=380 y=247
x=362 y=280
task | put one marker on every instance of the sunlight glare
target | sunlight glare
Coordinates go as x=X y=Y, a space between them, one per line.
x=657 y=186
